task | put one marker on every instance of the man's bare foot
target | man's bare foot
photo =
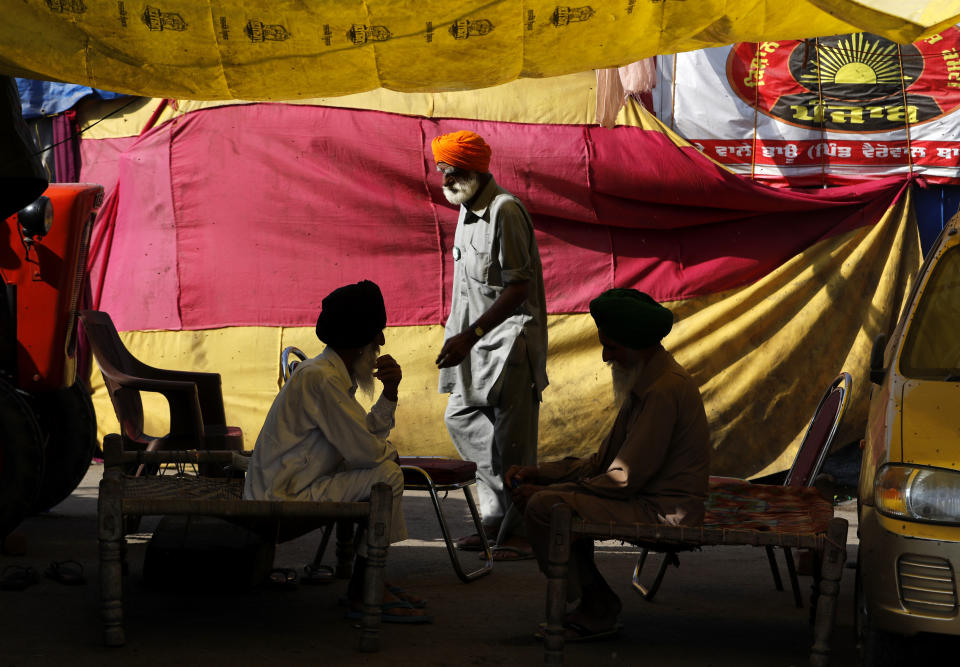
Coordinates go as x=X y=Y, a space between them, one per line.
x=415 y=600
x=578 y=627
x=590 y=625
x=513 y=548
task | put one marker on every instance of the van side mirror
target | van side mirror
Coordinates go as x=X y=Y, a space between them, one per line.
x=877 y=371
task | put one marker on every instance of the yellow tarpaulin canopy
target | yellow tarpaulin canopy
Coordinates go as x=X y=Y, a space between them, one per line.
x=289 y=49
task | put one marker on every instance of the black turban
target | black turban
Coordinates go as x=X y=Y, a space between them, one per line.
x=352 y=315
x=631 y=318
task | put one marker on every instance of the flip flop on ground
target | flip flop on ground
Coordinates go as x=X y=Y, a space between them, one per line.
x=318 y=574
x=399 y=611
x=574 y=632
x=283 y=578
x=67 y=572
x=17 y=578
x=507 y=552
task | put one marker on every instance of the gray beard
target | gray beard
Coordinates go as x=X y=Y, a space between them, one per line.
x=624 y=378
x=361 y=371
x=461 y=191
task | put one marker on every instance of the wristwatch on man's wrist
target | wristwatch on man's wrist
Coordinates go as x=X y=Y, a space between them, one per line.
x=478 y=330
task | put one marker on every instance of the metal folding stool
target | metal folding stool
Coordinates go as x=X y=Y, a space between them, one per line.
x=435 y=474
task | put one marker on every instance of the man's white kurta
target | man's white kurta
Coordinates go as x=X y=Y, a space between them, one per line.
x=318 y=443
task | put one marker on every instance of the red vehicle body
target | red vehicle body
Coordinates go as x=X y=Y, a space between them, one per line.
x=48 y=279
x=46 y=417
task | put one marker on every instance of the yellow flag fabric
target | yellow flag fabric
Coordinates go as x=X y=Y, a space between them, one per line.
x=289 y=49
x=782 y=338
x=562 y=100
x=896 y=16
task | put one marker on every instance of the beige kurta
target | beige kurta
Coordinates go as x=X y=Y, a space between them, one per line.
x=656 y=457
x=319 y=444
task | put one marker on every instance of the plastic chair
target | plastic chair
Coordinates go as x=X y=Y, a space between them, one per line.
x=197 y=417
x=803 y=472
x=432 y=474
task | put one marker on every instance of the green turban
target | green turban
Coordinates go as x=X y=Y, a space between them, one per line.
x=631 y=318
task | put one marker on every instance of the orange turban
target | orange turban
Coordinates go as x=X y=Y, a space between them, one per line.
x=464 y=149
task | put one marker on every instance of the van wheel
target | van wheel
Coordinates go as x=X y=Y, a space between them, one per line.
x=21 y=458
x=875 y=647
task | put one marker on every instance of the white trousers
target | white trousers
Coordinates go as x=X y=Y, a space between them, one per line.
x=354 y=486
x=496 y=437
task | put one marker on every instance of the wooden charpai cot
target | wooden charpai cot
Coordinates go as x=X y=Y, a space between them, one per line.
x=738 y=514
x=123 y=495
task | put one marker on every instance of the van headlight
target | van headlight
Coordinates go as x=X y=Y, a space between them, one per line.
x=918 y=494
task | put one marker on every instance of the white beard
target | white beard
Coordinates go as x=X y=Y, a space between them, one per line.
x=624 y=377
x=362 y=368
x=462 y=190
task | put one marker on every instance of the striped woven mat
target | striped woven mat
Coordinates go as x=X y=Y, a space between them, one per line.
x=767 y=507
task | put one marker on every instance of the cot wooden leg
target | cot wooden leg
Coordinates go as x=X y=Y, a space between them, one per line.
x=559 y=560
x=834 y=555
x=110 y=529
x=378 y=539
x=815 y=588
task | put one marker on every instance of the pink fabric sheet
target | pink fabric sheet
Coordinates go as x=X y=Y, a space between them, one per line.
x=249 y=215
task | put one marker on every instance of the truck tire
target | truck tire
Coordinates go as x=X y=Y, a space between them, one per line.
x=21 y=458
x=71 y=427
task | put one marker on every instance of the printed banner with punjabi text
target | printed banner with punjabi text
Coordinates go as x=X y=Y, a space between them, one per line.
x=822 y=111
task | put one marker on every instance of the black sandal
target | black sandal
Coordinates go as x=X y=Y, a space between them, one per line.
x=283 y=578
x=318 y=574
x=17 y=578
x=67 y=572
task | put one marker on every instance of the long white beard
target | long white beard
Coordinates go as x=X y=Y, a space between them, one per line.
x=361 y=371
x=462 y=190
x=624 y=377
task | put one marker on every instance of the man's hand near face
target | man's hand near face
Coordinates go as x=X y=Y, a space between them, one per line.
x=389 y=373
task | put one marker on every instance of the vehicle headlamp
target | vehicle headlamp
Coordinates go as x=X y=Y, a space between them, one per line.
x=918 y=494
x=36 y=218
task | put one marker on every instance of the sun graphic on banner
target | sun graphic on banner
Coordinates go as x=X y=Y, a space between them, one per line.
x=856 y=60
x=858 y=82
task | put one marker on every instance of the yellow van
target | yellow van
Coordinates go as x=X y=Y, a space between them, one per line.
x=909 y=494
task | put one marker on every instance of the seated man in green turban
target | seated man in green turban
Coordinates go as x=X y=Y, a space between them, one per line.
x=651 y=468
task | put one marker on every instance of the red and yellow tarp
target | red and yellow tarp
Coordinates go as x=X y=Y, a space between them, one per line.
x=227 y=225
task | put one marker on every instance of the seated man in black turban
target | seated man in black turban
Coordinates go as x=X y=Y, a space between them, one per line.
x=651 y=468
x=319 y=444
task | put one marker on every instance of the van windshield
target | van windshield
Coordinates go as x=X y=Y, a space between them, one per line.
x=932 y=348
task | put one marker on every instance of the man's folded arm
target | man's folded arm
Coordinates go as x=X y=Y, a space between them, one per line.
x=643 y=452
x=569 y=469
x=344 y=423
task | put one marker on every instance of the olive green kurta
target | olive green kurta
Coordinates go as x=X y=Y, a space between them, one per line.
x=656 y=457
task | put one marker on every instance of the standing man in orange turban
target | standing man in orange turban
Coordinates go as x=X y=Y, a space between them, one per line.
x=494 y=358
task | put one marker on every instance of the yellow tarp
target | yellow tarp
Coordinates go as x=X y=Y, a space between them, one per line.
x=289 y=49
x=763 y=355
x=561 y=100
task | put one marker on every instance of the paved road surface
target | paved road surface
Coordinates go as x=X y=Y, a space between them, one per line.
x=718 y=609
